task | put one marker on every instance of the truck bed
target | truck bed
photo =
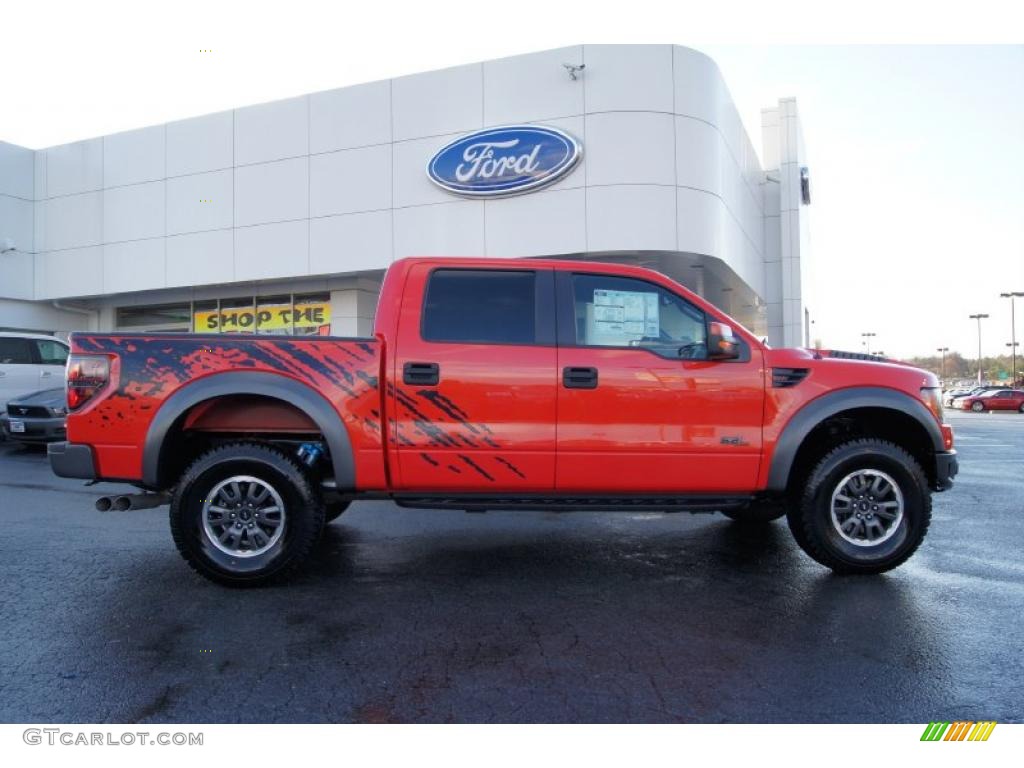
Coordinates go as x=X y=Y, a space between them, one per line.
x=149 y=369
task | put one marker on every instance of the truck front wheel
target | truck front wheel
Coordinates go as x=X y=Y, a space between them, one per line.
x=865 y=509
x=244 y=514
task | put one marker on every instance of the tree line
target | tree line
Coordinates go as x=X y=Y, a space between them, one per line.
x=959 y=367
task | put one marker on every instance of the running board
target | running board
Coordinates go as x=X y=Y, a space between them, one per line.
x=476 y=503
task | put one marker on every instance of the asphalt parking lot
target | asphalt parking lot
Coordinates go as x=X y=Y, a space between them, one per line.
x=427 y=616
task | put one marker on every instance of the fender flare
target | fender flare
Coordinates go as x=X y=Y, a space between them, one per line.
x=293 y=392
x=816 y=411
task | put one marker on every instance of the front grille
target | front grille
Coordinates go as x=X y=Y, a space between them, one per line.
x=28 y=411
x=788 y=377
x=855 y=356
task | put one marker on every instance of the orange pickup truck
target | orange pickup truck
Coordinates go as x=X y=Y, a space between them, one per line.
x=511 y=384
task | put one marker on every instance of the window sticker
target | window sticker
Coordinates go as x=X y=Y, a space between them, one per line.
x=621 y=317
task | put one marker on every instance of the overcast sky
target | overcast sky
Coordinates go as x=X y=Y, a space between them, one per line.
x=917 y=155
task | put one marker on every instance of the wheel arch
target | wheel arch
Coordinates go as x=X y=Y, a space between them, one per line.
x=301 y=396
x=904 y=410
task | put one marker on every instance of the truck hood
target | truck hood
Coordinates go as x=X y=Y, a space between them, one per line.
x=854 y=368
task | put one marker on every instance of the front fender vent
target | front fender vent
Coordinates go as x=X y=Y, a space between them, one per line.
x=788 y=377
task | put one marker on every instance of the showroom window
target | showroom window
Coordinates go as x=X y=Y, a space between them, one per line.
x=286 y=314
x=303 y=314
x=160 y=317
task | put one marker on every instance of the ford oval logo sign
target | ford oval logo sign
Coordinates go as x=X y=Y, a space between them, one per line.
x=504 y=161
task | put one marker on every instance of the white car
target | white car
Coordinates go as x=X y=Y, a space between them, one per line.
x=29 y=362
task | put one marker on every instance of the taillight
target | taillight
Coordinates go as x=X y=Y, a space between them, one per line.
x=87 y=375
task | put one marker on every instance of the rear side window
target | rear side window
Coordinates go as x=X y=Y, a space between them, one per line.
x=15 y=351
x=51 y=352
x=480 y=306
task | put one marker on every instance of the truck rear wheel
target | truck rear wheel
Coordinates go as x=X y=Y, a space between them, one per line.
x=865 y=509
x=244 y=514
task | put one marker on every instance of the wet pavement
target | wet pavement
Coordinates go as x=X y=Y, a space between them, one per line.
x=515 y=616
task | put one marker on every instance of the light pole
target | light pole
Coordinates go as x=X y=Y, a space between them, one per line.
x=942 y=369
x=867 y=340
x=979 y=318
x=1013 y=336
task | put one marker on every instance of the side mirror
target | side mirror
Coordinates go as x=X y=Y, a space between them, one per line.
x=722 y=344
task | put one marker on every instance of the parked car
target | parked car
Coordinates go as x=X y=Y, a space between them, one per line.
x=995 y=400
x=950 y=395
x=36 y=418
x=498 y=384
x=29 y=362
x=957 y=402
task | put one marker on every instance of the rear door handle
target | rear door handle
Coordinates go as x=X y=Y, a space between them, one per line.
x=421 y=374
x=579 y=378
x=46 y=374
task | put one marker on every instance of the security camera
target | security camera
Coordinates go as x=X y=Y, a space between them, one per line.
x=574 y=70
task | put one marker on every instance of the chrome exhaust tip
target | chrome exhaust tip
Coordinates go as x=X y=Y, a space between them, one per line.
x=123 y=503
x=104 y=503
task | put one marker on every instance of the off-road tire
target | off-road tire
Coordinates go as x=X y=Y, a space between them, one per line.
x=302 y=518
x=811 y=521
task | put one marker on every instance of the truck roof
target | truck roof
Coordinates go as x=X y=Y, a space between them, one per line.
x=497 y=262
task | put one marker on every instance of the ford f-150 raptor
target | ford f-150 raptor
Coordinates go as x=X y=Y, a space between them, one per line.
x=507 y=384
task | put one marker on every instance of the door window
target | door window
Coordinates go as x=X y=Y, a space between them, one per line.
x=51 y=352
x=15 y=351
x=623 y=312
x=480 y=307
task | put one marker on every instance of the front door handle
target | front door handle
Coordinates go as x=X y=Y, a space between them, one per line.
x=421 y=374
x=579 y=378
x=46 y=374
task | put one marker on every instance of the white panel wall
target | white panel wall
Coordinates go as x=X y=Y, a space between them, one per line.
x=134 y=156
x=134 y=212
x=200 y=202
x=350 y=181
x=350 y=117
x=272 y=131
x=552 y=222
x=524 y=89
x=271 y=192
x=201 y=144
x=73 y=221
x=201 y=258
x=628 y=77
x=134 y=266
x=272 y=250
x=334 y=183
x=446 y=101
x=74 y=168
x=351 y=243
x=445 y=229
x=16 y=171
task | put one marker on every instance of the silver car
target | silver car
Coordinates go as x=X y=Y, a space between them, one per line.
x=39 y=417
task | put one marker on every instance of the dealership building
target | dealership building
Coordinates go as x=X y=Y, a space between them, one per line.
x=282 y=217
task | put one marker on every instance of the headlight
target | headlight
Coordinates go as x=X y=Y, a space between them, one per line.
x=59 y=411
x=932 y=397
